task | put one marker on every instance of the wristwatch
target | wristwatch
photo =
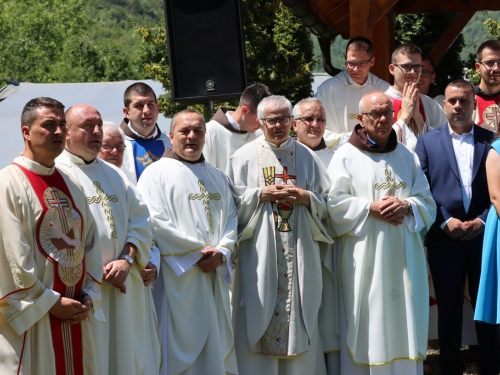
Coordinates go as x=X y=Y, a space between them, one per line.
x=410 y=209
x=128 y=258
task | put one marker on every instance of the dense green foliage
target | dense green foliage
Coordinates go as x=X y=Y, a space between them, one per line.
x=279 y=52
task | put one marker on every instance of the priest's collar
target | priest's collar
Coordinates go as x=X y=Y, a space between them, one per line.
x=172 y=155
x=131 y=133
x=359 y=139
x=321 y=145
x=281 y=146
x=34 y=166
x=391 y=91
x=221 y=117
x=480 y=92
x=78 y=160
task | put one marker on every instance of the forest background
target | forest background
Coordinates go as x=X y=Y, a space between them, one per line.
x=113 y=40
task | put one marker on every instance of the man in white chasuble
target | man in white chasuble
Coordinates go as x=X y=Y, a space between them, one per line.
x=281 y=188
x=125 y=343
x=380 y=205
x=50 y=264
x=309 y=122
x=194 y=222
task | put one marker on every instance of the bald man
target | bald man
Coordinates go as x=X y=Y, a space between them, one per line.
x=124 y=343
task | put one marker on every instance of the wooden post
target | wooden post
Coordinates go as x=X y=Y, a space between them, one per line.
x=383 y=45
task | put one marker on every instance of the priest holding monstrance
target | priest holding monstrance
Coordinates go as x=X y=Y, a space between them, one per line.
x=281 y=188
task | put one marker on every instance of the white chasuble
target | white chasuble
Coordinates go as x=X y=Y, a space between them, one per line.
x=278 y=287
x=125 y=343
x=46 y=251
x=340 y=96
x=192 y=207
x=382 y=266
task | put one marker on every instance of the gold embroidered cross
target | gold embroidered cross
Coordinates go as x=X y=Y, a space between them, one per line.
x=390 y=184
x=104 y=199
x=205 y=197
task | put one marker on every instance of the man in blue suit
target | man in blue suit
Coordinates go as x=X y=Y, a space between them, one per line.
x=453 y=159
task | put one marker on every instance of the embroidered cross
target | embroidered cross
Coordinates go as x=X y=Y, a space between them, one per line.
x=285 y=175
x=390 y=184
x=104 y=199
x=491 y=115
x=205 y=197
x=56 y=201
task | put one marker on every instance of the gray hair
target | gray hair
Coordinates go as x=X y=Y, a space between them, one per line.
x=313 y=101
x=183 y=112
x=111 y=127
x=270 y=103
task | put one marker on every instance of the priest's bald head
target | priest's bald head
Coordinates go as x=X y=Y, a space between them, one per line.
x=275 y=113
x=84 y=137
x=376 y=116
x=187 y=134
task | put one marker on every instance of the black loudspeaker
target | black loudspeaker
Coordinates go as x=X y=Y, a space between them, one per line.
x=206 y=50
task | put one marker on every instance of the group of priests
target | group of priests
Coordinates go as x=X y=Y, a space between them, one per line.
x=232 y=247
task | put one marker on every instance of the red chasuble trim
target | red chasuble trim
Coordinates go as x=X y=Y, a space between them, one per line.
x=58 y=235
x=397 y=110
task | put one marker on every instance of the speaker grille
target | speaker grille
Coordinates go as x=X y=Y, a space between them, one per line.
x=206 y=50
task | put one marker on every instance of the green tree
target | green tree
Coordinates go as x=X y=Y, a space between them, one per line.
x=424 y=30
x=279 y=52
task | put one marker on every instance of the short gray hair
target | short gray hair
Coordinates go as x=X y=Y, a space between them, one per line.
x=272 y=102
x=111 y=127
x=313 y=101
x=183 y=112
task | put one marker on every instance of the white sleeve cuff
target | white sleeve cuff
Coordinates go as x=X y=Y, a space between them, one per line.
x=356 y=231
x=225 y=270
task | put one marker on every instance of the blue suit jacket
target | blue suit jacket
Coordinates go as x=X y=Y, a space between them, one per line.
x=438 y=162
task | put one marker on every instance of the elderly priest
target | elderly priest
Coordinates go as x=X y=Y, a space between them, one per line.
x=380 y=205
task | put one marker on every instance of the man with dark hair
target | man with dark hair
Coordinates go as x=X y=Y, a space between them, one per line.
x=194 y=223
x=341 y=94
x=145 y=142
x=229 y=130
x=50 y=264
x=426 y=84
x=487 y=113
x=453 y=159
x=415 y=114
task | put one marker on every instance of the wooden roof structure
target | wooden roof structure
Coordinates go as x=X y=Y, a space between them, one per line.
x=375 y=19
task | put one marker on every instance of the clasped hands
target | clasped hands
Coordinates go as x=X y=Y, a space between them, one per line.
x=72 y=311
x=285 y=194
x=463 y=230
x=210 y=260
x=410 y=107
x=389 y=209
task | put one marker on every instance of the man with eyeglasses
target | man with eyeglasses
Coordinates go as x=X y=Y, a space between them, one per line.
x=341 y=94
x=309 y=125
x=487 y=114
x=280 y=187
x=229 y=130
x=415 y=114
x=126 y=342
x=380 y=204
x=113 y=144
x=425 y=84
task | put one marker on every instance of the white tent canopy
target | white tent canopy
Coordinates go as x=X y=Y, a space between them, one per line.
x=107 y=97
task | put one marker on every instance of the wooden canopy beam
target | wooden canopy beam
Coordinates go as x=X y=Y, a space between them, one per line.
x=412 y=6
x=450 y=35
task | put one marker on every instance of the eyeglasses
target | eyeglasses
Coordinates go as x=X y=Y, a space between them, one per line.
x=407 y=68
x=109 y=148
x=272 y=121
x=377 y=115
x=426 y=74
x=310 y=120
x=360 y=64
x=490 y=64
